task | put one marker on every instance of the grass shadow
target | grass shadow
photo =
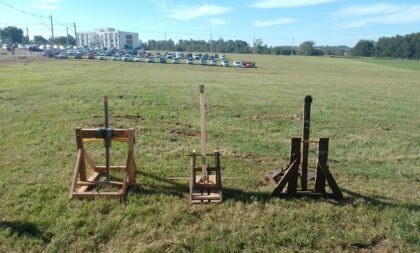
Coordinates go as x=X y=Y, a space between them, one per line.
x=378 y=202
x=25 y=229
x=164 y=186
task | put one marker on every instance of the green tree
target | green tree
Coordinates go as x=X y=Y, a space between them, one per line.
x=306 y=48
x=39 y=40
x=364 y=48
x=11 y=34
x=62 y=40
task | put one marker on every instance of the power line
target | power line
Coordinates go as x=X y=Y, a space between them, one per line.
x=22 y=11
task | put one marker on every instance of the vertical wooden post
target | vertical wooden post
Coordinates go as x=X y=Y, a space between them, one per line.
x=294 y=156
x=79 y=143
x=217 y=166
x=321 y=162
x=130 y=163
x=305 y=139
x=203 y=133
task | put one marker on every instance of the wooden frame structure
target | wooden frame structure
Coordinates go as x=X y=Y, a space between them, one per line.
x=207 y=186
x=205 y=191
x=83 y=187
x=298 y=160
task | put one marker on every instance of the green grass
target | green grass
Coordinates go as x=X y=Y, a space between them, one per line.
x=368 y=109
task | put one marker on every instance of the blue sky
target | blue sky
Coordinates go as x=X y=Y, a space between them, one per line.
x=276 y=22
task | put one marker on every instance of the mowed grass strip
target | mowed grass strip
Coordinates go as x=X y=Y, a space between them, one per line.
x=368 y=109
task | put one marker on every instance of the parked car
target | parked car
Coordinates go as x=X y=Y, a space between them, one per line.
x=203 y=61
x=213 y=62
x=77 y=56
x=102 y=56
x=222 y=56
x=127 y=57
x=189 y=61
x=237 y=64
x=162 y=60
x=138 y=58
x=175 y=60
x=150 y=59
x=248 y=64
x=116 y=57
x=62 y=55
x=157 y=55
x=224 y=63
x=90 y=55
x=197 y=56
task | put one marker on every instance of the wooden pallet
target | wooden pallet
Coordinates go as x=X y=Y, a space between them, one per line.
x=84 y=187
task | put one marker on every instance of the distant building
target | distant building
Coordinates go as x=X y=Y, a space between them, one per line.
x=108 y=37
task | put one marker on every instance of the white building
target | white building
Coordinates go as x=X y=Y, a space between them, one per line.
x=108 y=37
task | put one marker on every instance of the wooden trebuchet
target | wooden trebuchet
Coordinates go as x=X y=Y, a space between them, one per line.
x=205 y=187
x=298 y=166
x=91 y=186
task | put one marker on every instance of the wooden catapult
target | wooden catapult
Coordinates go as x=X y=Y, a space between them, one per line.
x=100 y=183
x=299 y=157
x=205 y=187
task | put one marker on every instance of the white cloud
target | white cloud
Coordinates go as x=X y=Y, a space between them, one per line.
x=216 y=22
x=46 y=4
x=193 y=12
x=268 y=4
x=275 y=22
x=380 y=13
x=368 y=10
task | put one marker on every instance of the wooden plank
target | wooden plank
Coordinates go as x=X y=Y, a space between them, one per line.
x=294 y=156
x=323 y=147
x=82 y=168
x=102 y=168
x=85 y=140
x=89 y=160
x=305 y=139
x=321 y=162
x=285 y=179
x=97 y=195
x=94 y=177
x=76 y=172
x=96 y=183
x=87 y=133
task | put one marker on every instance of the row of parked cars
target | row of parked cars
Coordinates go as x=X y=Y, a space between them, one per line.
x=147 y=57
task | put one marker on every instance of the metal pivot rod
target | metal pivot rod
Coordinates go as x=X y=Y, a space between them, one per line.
x=305 y=141
x=203 y=133
x=107 y=141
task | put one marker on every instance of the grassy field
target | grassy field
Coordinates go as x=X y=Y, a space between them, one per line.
x=369 y=109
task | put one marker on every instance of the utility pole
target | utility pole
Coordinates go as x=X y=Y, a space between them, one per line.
x=67 y=38
x=253 y=48
x=75 y=34
x=52 y=30
x=165 y=41
x=211 y=42
x=27 y=35
x=293 y=45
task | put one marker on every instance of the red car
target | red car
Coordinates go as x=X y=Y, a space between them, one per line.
x=90 y=55
x=248 y=64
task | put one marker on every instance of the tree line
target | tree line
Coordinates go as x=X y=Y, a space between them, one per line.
x=399 y=46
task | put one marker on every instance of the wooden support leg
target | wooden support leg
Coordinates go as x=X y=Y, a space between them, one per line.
x=294 y=156
x=323 y=148
x=321 y=162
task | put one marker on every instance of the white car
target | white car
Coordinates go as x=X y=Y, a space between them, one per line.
x=138 y=59
x=175 y=60
x=237 y=64
x=224 y=63
x=150 y=59
x=213 y=62
x=189 y=61
x=127 y=57
x=116 y=57
x=102 y=57
x=222 y=56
